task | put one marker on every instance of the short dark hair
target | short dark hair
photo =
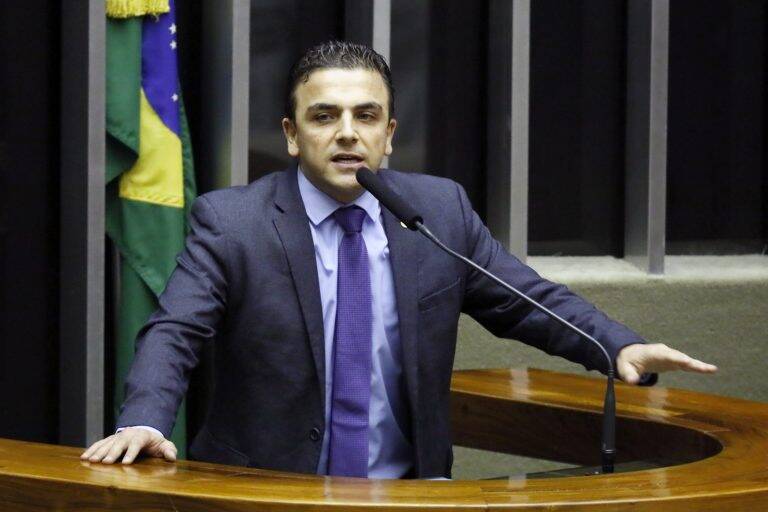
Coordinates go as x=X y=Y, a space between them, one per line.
x=337 y=54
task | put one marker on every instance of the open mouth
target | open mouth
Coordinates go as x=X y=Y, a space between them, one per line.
x=347 y=159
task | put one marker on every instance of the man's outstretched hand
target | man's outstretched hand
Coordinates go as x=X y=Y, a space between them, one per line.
x=130 y=441
x=634 y=360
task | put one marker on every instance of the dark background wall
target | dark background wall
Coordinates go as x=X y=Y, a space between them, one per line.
x=716 y=174
x=576 y=200
x=717 y=139
x=281 y=30
x=29 y=205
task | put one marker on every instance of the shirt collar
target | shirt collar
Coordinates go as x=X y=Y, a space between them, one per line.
x=320 y=206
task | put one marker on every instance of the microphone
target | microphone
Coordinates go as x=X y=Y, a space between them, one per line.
x=386 y=196
x=408 y=216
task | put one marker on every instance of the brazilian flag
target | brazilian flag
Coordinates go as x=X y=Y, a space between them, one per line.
x=150 y=177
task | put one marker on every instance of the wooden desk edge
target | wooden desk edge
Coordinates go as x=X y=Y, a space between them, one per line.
x=736 y=478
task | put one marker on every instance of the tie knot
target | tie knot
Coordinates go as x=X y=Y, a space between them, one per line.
x=350 y=218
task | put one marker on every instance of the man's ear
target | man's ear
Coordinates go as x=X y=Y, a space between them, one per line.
x=289 y=130
x=390 y=133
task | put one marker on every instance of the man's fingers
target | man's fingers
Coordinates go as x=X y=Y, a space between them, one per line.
x=117 y=449
x=134 y=447
x=165 y=449
x=99 y=454
x=694 y=365
x=635 y=359
x=169 y=450
x=631 y=377
x=685 y=362
x=669 y=359
x=130 y=442
x=95 y=446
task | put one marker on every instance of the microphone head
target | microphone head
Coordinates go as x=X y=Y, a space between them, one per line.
x=404 y=212
x=367 y=179
x=363 y=175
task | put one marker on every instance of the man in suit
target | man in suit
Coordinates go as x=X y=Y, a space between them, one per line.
x=334 y=327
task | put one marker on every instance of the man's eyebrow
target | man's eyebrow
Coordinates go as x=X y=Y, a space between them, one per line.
x=322 y=106
x=371 y=105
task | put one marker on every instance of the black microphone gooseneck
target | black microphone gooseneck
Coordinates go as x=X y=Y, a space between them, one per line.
x=406 y=214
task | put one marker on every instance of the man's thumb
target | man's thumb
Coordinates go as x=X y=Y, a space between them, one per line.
x=169 y=451
x=629 y=374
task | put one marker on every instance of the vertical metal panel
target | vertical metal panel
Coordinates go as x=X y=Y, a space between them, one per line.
x=225 y=64
x=521 y=52
x=380 y=40
x=509 y=34
x=646 y=147
x=382 y=29
x=82 y=222
x=241 y=28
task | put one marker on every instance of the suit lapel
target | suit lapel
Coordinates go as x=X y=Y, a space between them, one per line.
x=404 y=256
x=292 y=225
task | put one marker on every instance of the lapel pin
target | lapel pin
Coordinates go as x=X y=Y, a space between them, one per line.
x=403 y=225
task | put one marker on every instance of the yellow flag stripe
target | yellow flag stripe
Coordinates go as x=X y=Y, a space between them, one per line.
x=158 y=175
x=131 y=8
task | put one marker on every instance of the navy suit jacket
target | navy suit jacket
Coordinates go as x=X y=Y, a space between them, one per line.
x=247 y=280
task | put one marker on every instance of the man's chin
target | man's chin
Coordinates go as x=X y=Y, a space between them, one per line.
x=345 y=177
x=347 y=191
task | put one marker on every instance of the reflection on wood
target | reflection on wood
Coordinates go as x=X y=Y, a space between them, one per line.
x=720 y=446
x=559 y=417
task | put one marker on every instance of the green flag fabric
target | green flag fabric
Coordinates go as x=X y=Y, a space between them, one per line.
x=149 y=173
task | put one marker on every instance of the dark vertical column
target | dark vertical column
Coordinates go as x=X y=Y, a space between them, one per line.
x=224 y=102
x=214 y=69
x=507 y=123
x=29 y=220
x=601 y=127
x=358 y=21
x=716 y=191
x=455 y=97
x=82 y=222
x=368 y=22
x=646 y=146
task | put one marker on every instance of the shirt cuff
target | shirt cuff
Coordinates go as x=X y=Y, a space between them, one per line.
x=145 y=427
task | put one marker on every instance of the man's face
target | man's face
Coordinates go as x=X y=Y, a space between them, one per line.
x=341 y=124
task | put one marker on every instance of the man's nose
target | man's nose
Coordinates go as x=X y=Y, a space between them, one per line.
x=347 y=131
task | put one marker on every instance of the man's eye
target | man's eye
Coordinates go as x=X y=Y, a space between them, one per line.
x=323 y=117
x=366 y=116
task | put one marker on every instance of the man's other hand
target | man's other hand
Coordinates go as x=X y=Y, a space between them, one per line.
x=130 y=441
x=636 y=359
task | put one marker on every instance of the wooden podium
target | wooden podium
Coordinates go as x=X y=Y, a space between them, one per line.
x=705 y=453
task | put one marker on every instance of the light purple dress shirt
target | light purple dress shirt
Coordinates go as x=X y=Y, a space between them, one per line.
x=389 y=452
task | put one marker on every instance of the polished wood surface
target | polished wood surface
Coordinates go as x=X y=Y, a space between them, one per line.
x=720 y=444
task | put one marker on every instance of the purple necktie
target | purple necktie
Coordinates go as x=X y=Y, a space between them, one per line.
x=348 y=452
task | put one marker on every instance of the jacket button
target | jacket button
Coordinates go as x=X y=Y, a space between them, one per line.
x=314 y=434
